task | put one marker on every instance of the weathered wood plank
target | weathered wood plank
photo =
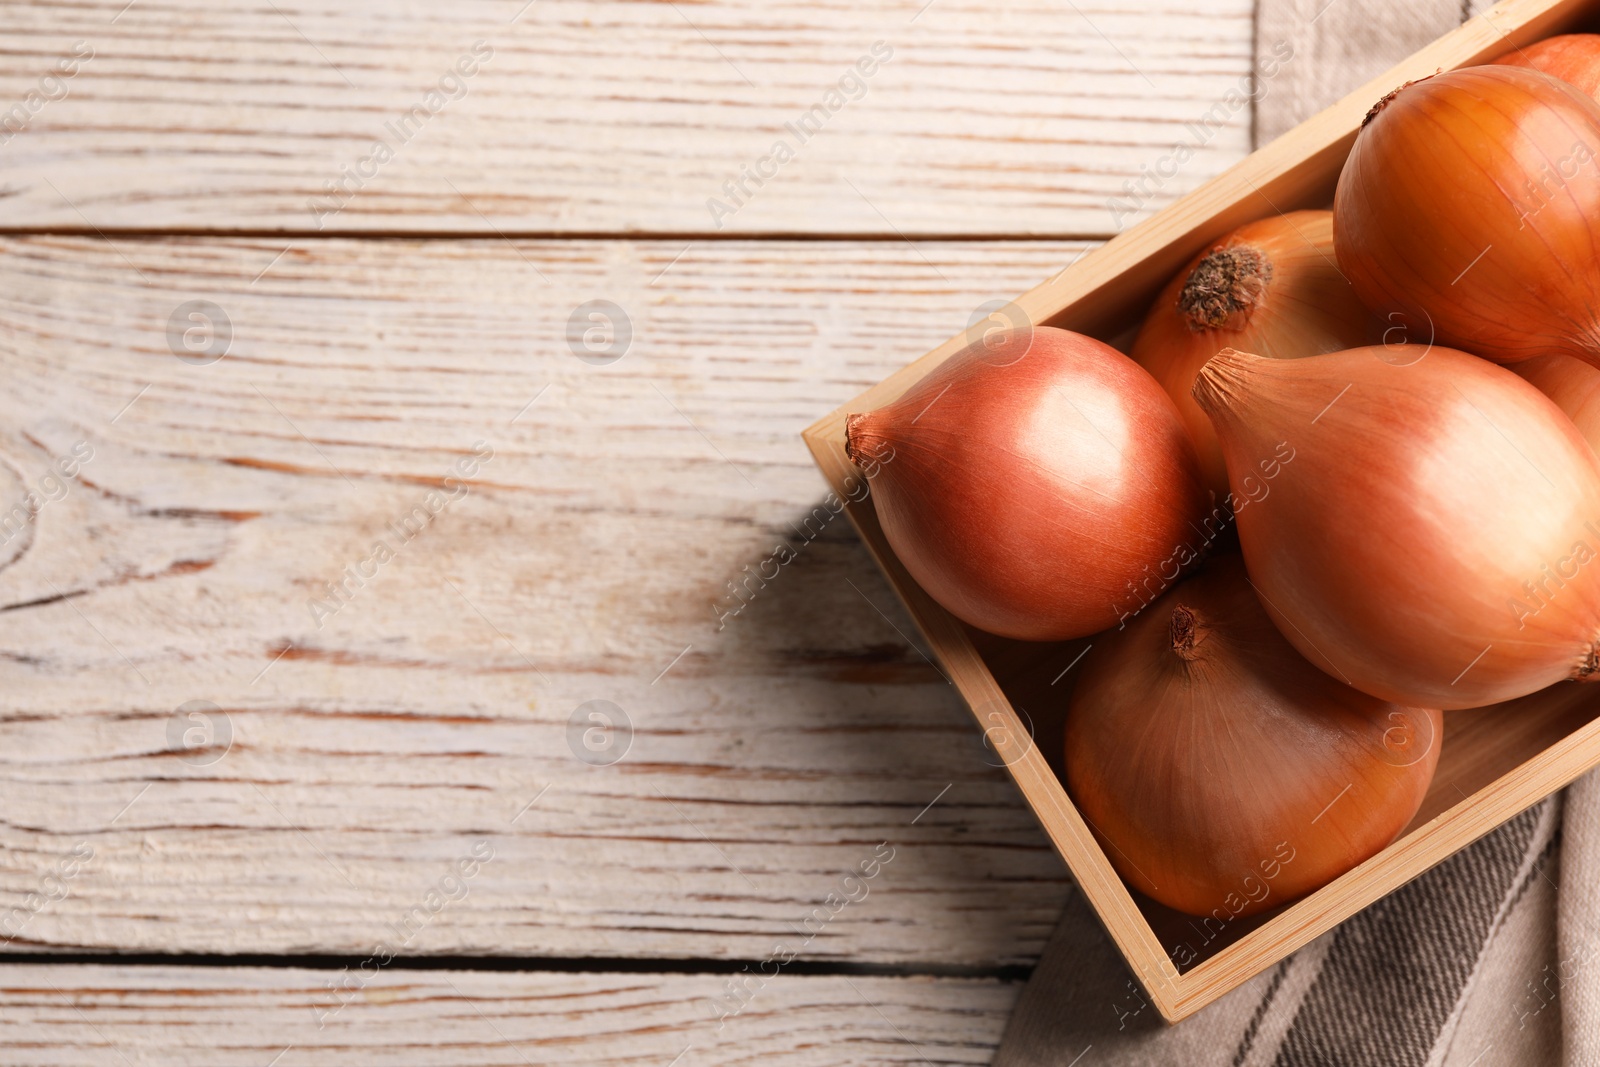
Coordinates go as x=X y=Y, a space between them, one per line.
x=577 y=117
x=380 y=734
x=221 y=1017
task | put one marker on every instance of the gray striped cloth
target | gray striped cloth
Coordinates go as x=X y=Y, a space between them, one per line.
x=1482 y=961
x=1459 y=967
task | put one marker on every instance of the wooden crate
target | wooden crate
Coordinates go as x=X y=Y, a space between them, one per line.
x=1495 y=762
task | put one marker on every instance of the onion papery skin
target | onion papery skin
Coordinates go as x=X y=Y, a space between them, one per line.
x=1574 y=386
x=1468 y=214
x=1433 y=538
x=1222 y=772
x=1032 y=481
x=1572 y=57
x=1275 y=288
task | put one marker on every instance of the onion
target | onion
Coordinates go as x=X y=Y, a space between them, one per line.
x=1572 y=57
x=1573 y=385
x=1271 y=287
x=1034 y=482
x=1225 y=773
x=1469 y=211
x=1433 y=541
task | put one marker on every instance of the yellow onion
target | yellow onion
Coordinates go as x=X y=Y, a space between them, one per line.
x=1223 y=772
x=1469 y=213
x=1032 y=481
x=1433 y=539
x=1572 y=57
x=1574 y=386
x=1271 y=287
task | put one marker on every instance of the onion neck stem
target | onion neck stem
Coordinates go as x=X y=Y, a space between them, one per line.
x=1224 y=288
x=1589 y=669
x=1187 y=633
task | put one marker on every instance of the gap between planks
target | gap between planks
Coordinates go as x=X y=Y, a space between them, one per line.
x=521 y=965
x=833 y=237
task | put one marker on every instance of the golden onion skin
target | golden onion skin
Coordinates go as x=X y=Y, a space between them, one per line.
x=1029 y=484
x=1468 y=214
x=1574 y=386
x=1272 y=287
x=1435 y=538
x=1572 y=57
x=1222 y=772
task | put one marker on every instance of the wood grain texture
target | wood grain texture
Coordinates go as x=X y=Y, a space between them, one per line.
x=52 y=1016
x=614 y=118
x=373 y=747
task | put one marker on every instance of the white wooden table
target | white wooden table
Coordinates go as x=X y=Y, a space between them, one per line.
x=247 y=756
